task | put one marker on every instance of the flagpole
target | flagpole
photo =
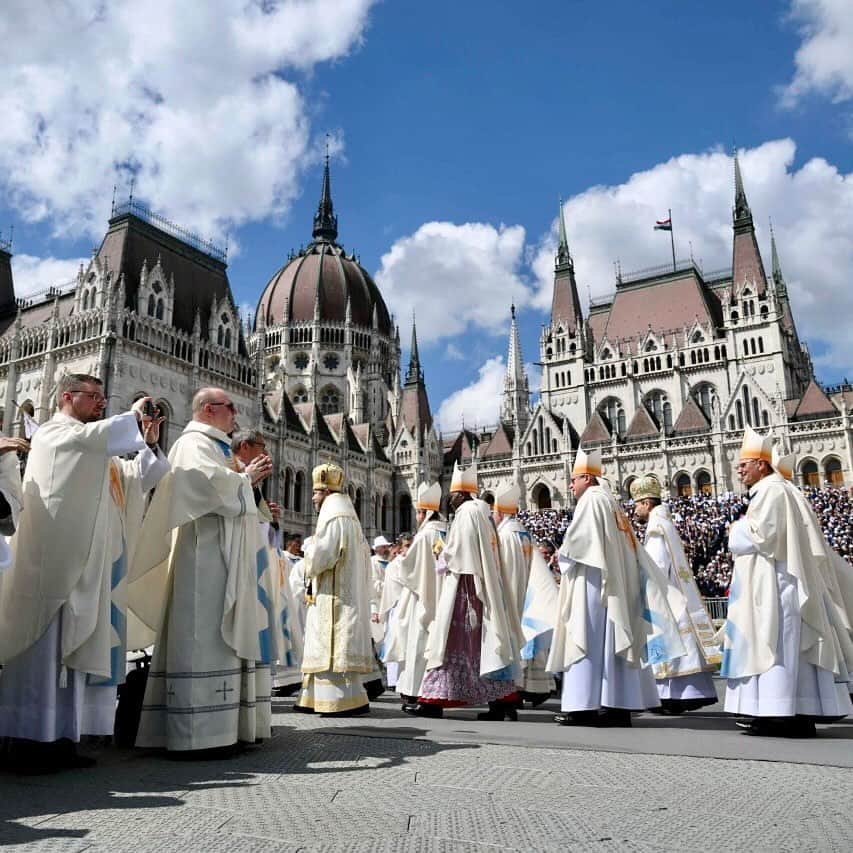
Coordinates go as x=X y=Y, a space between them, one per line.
x=671 y=238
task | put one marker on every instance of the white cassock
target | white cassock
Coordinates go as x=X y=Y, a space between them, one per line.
x=687 y=678
x=391 y=651
x=421 y=585
x=292 y=594
x=781 y=654
x=194 y=582
x=516 y=548
x=338 y=649
x=612 y=616
x=10 y=487
x=63 y=616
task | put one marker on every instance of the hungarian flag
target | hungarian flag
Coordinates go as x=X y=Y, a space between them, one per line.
x=663 y=224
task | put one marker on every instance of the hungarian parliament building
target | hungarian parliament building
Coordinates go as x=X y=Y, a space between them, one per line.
x=662 y=376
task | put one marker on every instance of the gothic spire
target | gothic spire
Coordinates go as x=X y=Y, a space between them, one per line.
x=742 y=214
x=516 y=399
x=414 y=373
x=564 y=257
x=325 y=221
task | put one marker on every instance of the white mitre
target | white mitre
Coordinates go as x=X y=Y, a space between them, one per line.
x=429 y=497
x=587 y=462
x=756 y=446
x=783 y=465
x=464 y=481
x=506 y=500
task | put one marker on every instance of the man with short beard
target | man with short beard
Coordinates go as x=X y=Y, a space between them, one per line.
x=63 y=617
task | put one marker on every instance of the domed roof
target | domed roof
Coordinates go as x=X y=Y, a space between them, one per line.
x=323 y=272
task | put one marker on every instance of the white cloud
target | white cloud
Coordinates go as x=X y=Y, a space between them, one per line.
x=34 y=275
x=456 y=278
x=190 y=96
x=453 y=353
x=811 y=207
x=479 y=403
x=824 y=60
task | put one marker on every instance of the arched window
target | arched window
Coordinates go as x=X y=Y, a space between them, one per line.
x=330 y=400
x=703 y=482
x=85 y=300
x=359 y=503
x=614 y=415
x=384 y=512
x=734 y=318
x=541 y=496
x=746 y=407
x=752 y=345
x=227 y=342
x=745 y=346
x=739 y=412
x=763 y=312
x=405 y=512
x=658 y=406
x=761 y=344
x=765 y=418
x=682 y=486
x=220 y=335
x=704 y=394
x=158 y=311
x=288 y=486
x=152 y=305
x=832 y=471
x=809 y=473
x=298 y=489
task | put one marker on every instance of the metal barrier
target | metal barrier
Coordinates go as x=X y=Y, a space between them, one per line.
x=717 y=607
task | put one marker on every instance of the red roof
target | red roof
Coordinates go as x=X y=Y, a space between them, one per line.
x=746 y=261
x=595 y=431
x=815 y=402
x=691 y=418
x=642 y=425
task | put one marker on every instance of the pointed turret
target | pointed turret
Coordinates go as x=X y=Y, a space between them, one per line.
x=325 y=221
x=415 y=411
x=414 y=373
x=778 y=278
x=515 y=408
x=566 y=305
x=746 y=259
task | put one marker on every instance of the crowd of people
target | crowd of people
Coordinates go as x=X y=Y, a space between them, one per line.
x=703 y=523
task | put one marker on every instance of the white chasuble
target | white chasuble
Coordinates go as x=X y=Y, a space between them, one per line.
x=10 y=486
x=781 y=654
x=337 y=567
x=664 y=546
x=194 y=582
x=63 y=602
x=633 y=589
x=472 y=549
x=421 y=584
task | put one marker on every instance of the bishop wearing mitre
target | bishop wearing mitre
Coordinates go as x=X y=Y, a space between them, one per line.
x=781 y=656
x=418 y=576
x=338 y=650
x=685 y=683
x=612 y=615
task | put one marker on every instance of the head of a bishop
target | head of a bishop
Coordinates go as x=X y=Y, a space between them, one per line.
x=585 y=471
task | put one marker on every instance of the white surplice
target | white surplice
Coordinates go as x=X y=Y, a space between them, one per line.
x=781 y=657
x=689 y=676
x=10 y=486
x=195 y=580
x=63 y=685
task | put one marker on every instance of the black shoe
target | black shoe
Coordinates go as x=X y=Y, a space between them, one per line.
x=500 y=711
x=374 y=689
x=288 y=690
x=791 y=727
x=302 y=709
x=355 y=712
x=615 y=718
x=424 y=709
x=535 y=699
x=577 y=718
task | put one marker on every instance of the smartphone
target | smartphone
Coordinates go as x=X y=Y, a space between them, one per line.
x=148 y=409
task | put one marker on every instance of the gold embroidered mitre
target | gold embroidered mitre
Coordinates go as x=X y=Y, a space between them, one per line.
x=329 y=477
x=647 y=486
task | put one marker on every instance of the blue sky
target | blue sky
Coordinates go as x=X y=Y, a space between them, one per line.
x=456 y=128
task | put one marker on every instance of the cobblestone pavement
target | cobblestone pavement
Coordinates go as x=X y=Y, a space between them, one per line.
x=390 y=783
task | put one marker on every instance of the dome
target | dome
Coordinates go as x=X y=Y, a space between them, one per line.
x=323 y=272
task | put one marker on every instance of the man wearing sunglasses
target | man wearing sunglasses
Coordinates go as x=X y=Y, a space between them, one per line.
x=194 y=582
x=62 y=613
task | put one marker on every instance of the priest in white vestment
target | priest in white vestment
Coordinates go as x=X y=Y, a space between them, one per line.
x=473 y=656
x=63 y=616
x=685 y=683
x=247 y=445
x=338 y=649
x=194 y=584
x=780 y=654
x=287 y=678
x=516 y=547
x=11 y=496
x=421 y=585
x=390 y=650
x=837 y=572
x=613 y=618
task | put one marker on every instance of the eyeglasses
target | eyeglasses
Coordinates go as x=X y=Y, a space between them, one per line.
x=96 y=396
x=229 y=405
